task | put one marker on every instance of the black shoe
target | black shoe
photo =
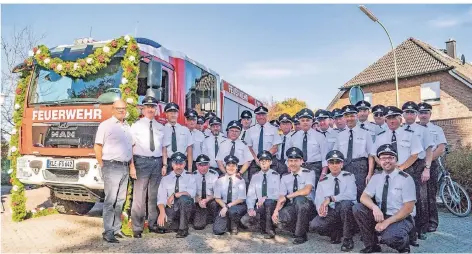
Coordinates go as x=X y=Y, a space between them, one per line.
x=153 y=230
x=422 y=236
x=406 y=250
x=348 y=244
x=120 y=235
x=432 y=229
x=182 y=234
x=300 y=239
x=414 y=243
x=161 y=231
x=270 y=235
x=137 y=235
x=371 y=249
x=335 y=238
x=110 y=239
x=234 y=231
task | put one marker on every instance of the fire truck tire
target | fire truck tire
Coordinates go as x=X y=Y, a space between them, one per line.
x=70 y=207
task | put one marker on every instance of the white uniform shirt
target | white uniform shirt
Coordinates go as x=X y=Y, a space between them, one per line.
x=210 y=178
x=305 y=177
x=423 y=135
x=401 y=189
x=370 y=127
x=407 y=143
x=141 y=136
x=437 y=134
x=287 y=145
x=347 y=188
x=238 y=188
x=361 y=143
x=208 y=148
x=184 y=138
x=167 y=186
x=271 y=137
x=198 y=138
x=330 y=136
x=241 y=151
x=317 y=147
x=254 y=191
x=116 y=139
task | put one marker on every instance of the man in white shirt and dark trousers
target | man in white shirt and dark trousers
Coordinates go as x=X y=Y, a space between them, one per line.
x=246 y=121
x=287 y=132
x=335 y=196
x=145 y=169
x=391 y=215
x=206 y=206
x=211 y=144
x=197 y=136
x=177 y=138
x=262 y=197
x=176 y=198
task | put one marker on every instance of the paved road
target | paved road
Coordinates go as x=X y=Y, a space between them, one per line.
x=67 y=233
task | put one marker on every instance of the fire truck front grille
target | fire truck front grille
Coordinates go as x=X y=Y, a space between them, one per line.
x=60 y=175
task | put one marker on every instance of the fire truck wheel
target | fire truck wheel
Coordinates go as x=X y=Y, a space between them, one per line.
x=70 y=207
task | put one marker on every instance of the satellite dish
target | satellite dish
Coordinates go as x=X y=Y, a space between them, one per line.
x=463 y=59
x=356 y=94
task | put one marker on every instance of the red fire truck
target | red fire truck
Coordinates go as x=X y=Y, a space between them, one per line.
x=62 y=113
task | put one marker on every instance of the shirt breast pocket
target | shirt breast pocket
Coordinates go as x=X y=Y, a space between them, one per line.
x=268 y=138
x=405 y=143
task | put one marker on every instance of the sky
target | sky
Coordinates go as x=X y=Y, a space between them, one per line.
x=272 y=52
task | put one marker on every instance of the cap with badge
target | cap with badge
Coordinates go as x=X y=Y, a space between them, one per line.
x=424 y=107
x=191 y=114
x=234 y=124
x=285 y=118
x=261 y=110
x=214 y=120
x=275 y=123
x=363 y=105
x=337 y=112
x=264 y=155
x=295 y=119
x=393 y=111
x=306 y=113
x=410 y=106
x=200 y=120
x=202 y=159
x=209 y=115
x=386 y=149
x=178 y=157
x=171 y=107
x=335 y=155
x=322 y=114
x=246 y=114
x=349 y=109
x=231 y=159
x=294 y=153
x=149 y=100
x=378 y=110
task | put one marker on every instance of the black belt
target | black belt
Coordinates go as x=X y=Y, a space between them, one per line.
x=124 y=163
x=147 y=157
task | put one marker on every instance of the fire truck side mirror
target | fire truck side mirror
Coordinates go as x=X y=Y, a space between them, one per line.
x=154 y=78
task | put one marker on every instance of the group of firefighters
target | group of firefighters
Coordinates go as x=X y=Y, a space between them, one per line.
x=334 y=173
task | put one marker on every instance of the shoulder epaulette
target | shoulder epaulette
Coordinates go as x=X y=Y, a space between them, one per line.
x=294 y=133
x=189 y=173
x=409 y=130
x=336 y=129
x=306 y=170
x=223 y=141
x=206 y=135
x=371 y=122
x=347 y=174
x=380 y=133
x=275 y=173
x=325 y=178
x=286 y=173
x=239 y=177
x=404 y=174
x=212 y=171
x=222 y=175
x=195 y=172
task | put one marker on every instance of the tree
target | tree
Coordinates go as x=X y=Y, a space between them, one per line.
x=15 y=47
x=290 y=106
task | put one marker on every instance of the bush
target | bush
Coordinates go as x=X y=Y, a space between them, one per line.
x=459 y=164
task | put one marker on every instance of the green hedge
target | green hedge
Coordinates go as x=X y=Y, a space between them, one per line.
x=459 y=164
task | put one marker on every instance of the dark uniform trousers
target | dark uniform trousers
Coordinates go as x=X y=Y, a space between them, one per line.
x=263 y=217
x=339 y=221
x=282 y=168
x=145 y=188
x=432 y=191
x=178 y=216
x=231 y=220
x=296 y=215
x=315 y=166
x=422 y=211
x=204 y=216
x=395 y=236
x=360 y=168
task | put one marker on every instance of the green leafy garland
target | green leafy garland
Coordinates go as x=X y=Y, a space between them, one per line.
x=77 y=69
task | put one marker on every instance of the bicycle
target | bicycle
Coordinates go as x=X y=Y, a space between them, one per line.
x=452 y=194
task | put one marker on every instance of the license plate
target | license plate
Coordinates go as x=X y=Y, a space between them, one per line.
x=66 y=164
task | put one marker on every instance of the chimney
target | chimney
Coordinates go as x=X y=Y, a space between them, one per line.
x=451 y=48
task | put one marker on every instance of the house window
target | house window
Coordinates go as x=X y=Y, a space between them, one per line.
x=430 y=92
x=368 y=97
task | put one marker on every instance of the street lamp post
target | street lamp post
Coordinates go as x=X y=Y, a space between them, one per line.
x=375 y=19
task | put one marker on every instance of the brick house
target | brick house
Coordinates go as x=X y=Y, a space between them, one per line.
x=427 y=74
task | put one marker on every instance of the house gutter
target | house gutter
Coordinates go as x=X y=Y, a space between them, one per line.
x=455 y=75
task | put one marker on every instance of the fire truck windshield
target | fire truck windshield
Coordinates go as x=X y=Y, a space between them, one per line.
x=48 y=87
